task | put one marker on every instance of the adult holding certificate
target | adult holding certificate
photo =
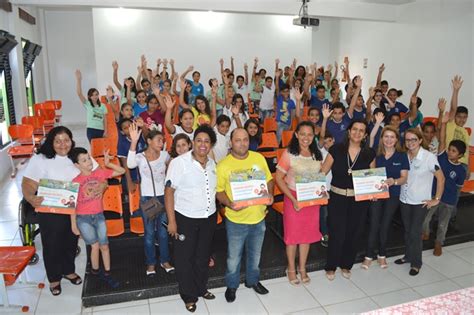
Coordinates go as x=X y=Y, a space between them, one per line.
x=300 y=224
x=346 y=216
x=59 y=242
x=416 y=196
x=395 y=161
x=245 y=225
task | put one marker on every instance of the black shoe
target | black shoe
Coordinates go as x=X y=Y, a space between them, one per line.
x=208 y=296
x=191 y=307
x=400 y=261
x=259 y=288
x=230 y=295
x=414 y=271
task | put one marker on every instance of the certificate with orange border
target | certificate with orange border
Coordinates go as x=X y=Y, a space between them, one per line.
x=311 y=189
x=370 y=184
x=59 y=196
x=249 y=188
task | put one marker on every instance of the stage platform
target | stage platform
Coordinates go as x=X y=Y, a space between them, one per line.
x=128 y=267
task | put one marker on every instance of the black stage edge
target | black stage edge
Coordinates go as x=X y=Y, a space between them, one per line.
x=128 y=267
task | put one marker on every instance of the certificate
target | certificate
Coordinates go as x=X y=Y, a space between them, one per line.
x=59 y=196
x=370 y=184
x=311 y=189
x=249 y=187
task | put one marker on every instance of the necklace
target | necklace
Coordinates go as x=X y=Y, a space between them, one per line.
x=349 y=166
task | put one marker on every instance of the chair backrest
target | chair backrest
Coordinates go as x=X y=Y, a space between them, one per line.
x=286 y=137
x=36 y=121
x=112 y=199
x=431 y=119
x=99 y=145
x=469 y=130
x=269 y=125
x=134 y=200
x=471 y=163
x=269 y=140
x=57 y=104
x=280 y=153
x=47 y=113
x=20 y=131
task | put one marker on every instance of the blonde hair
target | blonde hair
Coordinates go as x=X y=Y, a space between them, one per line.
x=398 y=147
x=419 y=135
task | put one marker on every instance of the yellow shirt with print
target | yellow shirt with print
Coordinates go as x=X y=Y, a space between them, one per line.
x=200 y=119
x=454 y=132
x=229 y=165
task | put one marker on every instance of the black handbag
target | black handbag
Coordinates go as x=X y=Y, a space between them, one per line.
x=152 y=207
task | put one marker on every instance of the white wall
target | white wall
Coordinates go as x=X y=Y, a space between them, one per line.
x=70 y=45
x=432 y=41
x=198 y=38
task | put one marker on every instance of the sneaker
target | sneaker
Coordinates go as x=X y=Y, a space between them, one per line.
x=325 y=240
x=107 y=278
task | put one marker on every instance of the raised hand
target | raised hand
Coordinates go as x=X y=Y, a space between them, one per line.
x=221 y=62
x=139 y=122
x=255 y=60
x=172 y=62
x=245 y=66
x=445 y=118
x=379 y=117
x=418 y=83
x=169 y=102
x=231 y=59
x=298 y=94
x=190 y=68
x=78 y=75
x=235 y=110
x=277 y=61
x=346 y=61
x=165 y=62
x=182 y=85
x=156 y=90
x=294 y=62
x=335 y=65
x=107 y=157
x=158 y=61
x=134 y=132
x=382 y=68
x=371 y=92
x=457 y=82
x=114 y=65
x=442 y=104
x=326 y=111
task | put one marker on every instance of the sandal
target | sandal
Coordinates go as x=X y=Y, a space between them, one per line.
x=191 y=307
x=346 y=273
x=366 y=263
x=331 y=275
x=382 y=262
x=56 y=290
x=208 y=296
x=306 y=279
x=76 y=280
x=294 y=282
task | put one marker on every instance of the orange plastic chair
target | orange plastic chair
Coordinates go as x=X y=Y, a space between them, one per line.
x=469 y=130
x=269 y=145
x=468 y=186
x=471 y=149
x=20 y=133
x=434 y=120
x=286 y=137
x=57 y=108
x=13 y=260
x=269 y=125
x=294 y=123
x=136 y=223
x=305 y=110
x=112 y=201
x=49 y=116
x=277 y=206
x=38 y=127
x=99 y=145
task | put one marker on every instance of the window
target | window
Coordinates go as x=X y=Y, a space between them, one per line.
x=30 y=51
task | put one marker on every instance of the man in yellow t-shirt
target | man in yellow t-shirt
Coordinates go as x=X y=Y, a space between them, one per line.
x=245 y=225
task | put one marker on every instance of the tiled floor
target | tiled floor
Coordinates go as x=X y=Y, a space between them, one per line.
x=365 y=291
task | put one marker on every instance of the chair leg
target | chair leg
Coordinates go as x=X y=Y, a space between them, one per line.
x=3 y=288
x=13 y=167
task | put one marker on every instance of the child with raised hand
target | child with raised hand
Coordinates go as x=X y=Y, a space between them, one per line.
x=335 y=121
x=454 y=173
x=96 y=111
x=241 y=86
x=202 y=110
x=153 y=117
x=186 y=119
x=152 y=165
x=88 y=220
x=123 y=91
x=376 y=128
x=255 y=88
x=267 y=107
x=113 y=101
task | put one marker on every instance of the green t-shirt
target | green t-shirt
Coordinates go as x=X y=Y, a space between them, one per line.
x=256 y=96
x=123 y=99
x=95 y=115
x=209 y=99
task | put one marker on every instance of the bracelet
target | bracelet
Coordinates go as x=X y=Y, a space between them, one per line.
x=396 y=183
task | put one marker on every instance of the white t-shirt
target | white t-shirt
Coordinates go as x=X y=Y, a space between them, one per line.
x=420 y=178
x=159 y=172
x=242 y=91
x=195 y=187
x=233 y=124
x=221 y=149
x=57 y=168
x=268 y=96
x=179 y=129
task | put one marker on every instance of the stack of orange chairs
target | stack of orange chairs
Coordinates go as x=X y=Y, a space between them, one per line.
x=112 y=131
x=468 y=186
x=112 y=202
x=39 y=132
x=57 y=104
x=48 y=112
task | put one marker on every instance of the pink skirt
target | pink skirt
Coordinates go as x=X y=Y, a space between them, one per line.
x=300 y=227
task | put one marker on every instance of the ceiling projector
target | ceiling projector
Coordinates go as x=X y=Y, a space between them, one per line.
x=303 y=18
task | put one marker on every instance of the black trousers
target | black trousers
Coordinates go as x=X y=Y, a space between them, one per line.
x=346 y=218
x=59 y=245
x=413 y=217
x=191 y=256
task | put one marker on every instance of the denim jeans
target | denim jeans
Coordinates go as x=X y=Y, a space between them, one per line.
x=154 y=229
x=265 y=113
x=413 y=217
x=93 y=228
x=239 y=236
x=380 y=215
x=94 y=133
x=444 y=214
x=323 y=221
x=280 y=128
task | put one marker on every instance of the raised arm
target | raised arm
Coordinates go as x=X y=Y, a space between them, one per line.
x=169 y=103
x=128 y=84
x=118 y=170
x=115 y=75
x=379 y=75
x=79 y=87
x=456 y=85
x=443 y=120
x=158 y=63
x=173 y=72
x=336 y=69
x=246 y=74
x=114 y=103
x=139 y=78
x=221 y=63
x=186 y=72
x=298 y=96
x=213 y=104
x=135 y=134
x=254 y=71
x=368 y=112
x=358 y=86
x=232 y=68
x=326 y=114
x=379 y=117
x=182 y=101
x=165 y=67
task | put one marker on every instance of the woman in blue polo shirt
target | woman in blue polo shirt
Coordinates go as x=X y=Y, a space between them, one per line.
x=395 y=161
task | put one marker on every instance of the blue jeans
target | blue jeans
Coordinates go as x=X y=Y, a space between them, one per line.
x=280 y=128
x=94 y=133
x=154 y=229
x=239 y=236
x=93 y=228
x=265 y=114
x=323 y=220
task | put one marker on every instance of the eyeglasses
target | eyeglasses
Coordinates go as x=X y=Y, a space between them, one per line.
x=411 y=140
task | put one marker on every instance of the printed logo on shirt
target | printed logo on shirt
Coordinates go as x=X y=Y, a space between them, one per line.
x=396 y=164
x=453 y=174
x=343 y=127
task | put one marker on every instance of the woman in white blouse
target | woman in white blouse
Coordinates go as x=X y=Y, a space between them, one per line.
x=152 y=168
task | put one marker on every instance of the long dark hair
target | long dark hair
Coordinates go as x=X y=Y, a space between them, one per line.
x=363 y=144
x=47 y=148
x=234 y=99
x=89 y=95
x=133 y=89
x=258 y=136
x=297 y=69
x=207 y=108
x=294 y=146
x=181 y=114
x=180 y=136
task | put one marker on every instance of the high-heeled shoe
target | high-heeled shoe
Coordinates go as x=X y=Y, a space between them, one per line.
x=306 y=279
x=382 y=262
x=294 y=282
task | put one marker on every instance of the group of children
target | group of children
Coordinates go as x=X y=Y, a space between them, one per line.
x=150 y=108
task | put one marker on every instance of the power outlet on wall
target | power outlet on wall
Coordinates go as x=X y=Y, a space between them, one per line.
x=365 y=62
